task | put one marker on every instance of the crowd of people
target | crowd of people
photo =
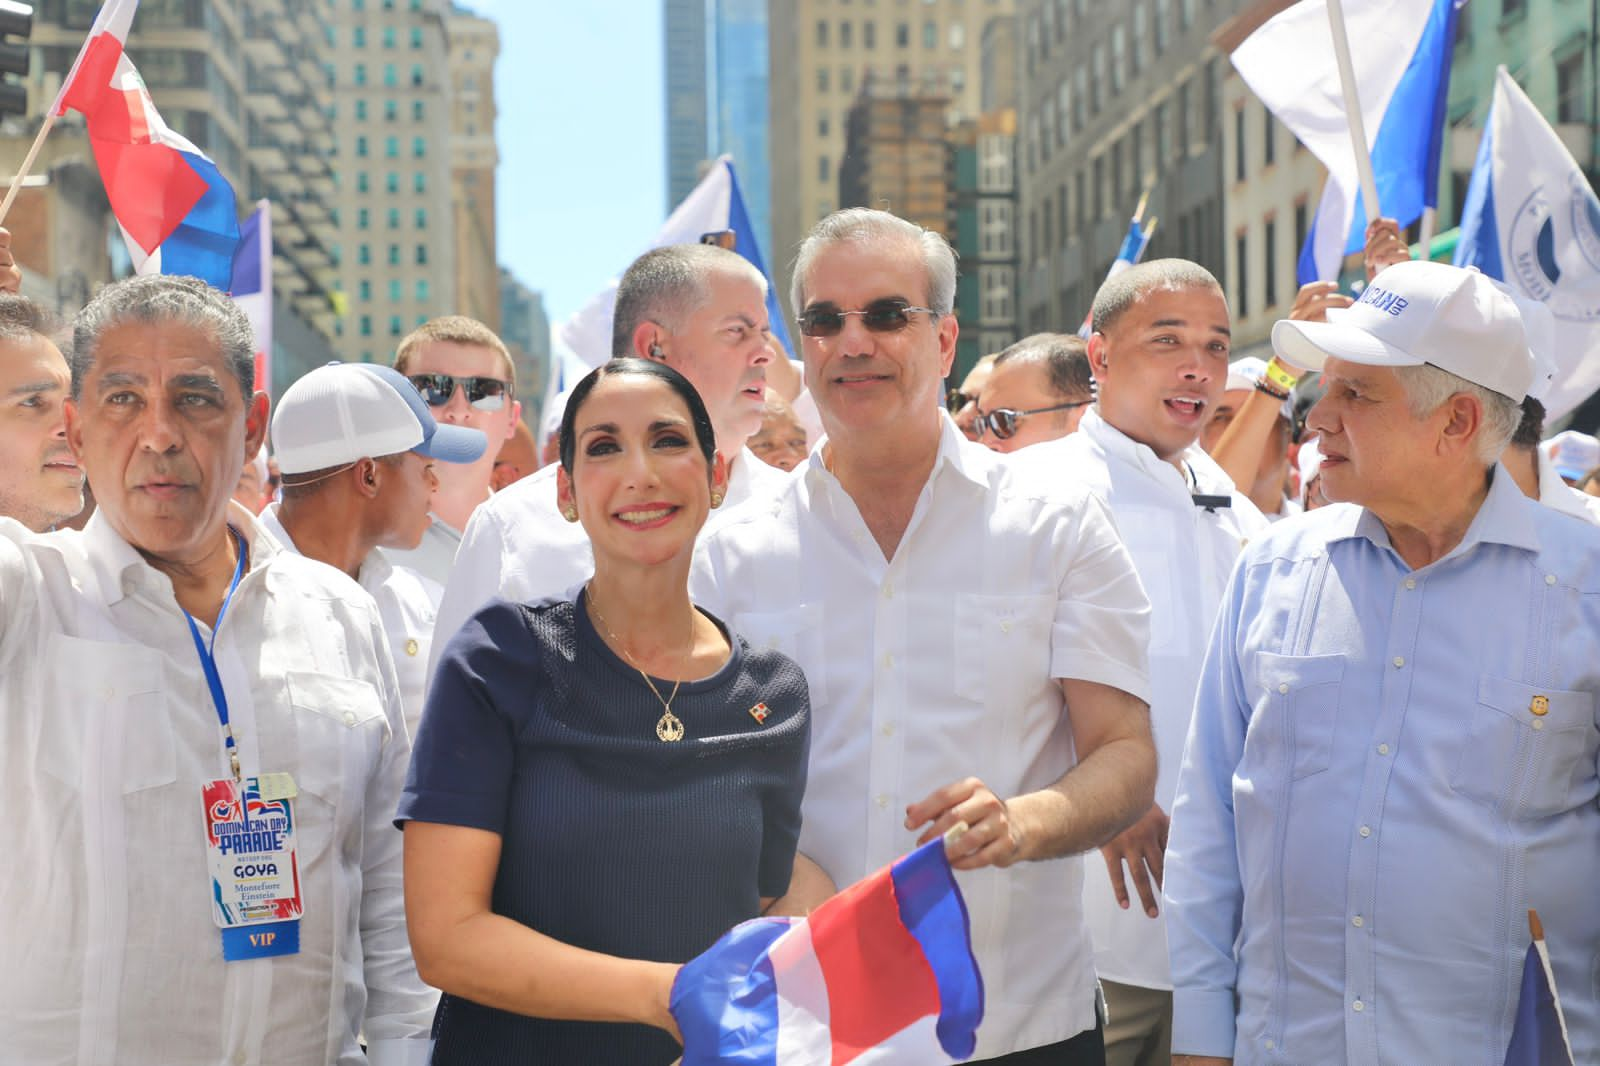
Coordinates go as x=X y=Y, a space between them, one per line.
x=433 y=739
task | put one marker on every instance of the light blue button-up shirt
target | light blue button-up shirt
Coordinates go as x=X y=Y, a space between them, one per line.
x=1386 y=769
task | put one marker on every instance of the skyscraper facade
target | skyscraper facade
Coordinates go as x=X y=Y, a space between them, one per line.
x=684 y=67
x=738 y=105
x=474 y=44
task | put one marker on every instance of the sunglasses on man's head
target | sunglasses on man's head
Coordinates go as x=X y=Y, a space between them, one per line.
x=486 y=394
x=879 y=316
x=1003 y=422
x=955 y=399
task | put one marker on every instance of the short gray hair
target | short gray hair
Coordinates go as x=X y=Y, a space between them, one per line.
x=1126 y=289
x=1065 y=358
x=667 y=285
x=21 y=319
x=1427 y=388
x=155 y=299
x=864 y=225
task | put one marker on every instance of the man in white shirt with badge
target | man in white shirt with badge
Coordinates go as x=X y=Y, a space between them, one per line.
x=701 y=310
x=1159 y=352
x=201 y=744
x=356 y=448
x=974 y=641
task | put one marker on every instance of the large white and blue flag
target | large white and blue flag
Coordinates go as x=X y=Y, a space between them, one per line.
x=1531 y=221
x=1402 y=75
x=714 y=205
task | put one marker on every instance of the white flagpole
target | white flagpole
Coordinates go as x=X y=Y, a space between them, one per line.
x=1430 y=222
x=1352 y=108
x=27 y=165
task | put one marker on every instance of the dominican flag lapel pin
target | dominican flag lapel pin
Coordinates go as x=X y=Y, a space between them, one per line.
x=759 y=712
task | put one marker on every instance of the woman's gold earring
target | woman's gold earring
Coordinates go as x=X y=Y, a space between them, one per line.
x=570 y=513
x=716 y=500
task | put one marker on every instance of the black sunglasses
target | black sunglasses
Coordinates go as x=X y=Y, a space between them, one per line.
x=486 y=394
x=955 y=399
x=879 y=316
x=1003 y=421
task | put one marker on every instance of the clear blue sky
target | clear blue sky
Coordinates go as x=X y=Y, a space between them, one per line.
x=582 y=171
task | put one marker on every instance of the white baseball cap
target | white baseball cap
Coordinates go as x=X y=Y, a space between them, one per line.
x=347 y=411
x=1244 y=373
x=1416 y=313
x=1573 y=454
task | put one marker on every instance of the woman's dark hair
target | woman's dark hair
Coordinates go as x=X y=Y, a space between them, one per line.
x=705 y=436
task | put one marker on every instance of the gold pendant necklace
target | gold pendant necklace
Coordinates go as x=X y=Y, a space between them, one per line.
x=669 y=727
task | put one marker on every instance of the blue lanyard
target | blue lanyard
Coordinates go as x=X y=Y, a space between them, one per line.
x=208 y=662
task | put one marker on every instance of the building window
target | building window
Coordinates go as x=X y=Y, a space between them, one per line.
x=1242 y=292
x=1119 y=57
x=394 y=292
x=361 y=110
x=422 y=290
x=419 y=147
x=1511 y=8
x=1080 y=98
x=363 y=218
x=847 y=79
x=396 y=327
x=421 y=218
x=1571 y=106
x=822 y=79
x=846 y=35
x=417 y=78
x=1163 y=22
x=1269 y=142
x=394 y=255
x=822 y=33
x=361 y=145
x=824 y=169
x=361 y=181
x=419 y=182
x=358 y=37
x=1141 y=34
x=902 y=35
x=1300 y=225
x=958 y=36
x=388 y=36
x=1063 y=112
x=869 y=35
x=1097 y=76
x=364 y=288
x=391 y=76
x=930 y=34
x=394 y=218
x=1269 y=269
x=391 y=182
x=391 y=147
x=359 y=73
x=1099 y=187
x=391 y=110
x=422 y=255
x=364 y=254
x=1049 y=224
x=1238 y=145
x=366 y=325
x=416 y=37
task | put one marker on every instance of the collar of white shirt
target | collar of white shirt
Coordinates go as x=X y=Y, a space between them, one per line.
x=963 y=457
x=1505 y=517
x=1209 y=478
x=118 y=567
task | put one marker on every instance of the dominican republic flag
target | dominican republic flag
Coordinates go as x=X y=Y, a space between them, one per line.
x=1531 y=221
x=882 y=974
x=714 y=205
x=1401 y=56
x=1132 y=250
x=252 y=286
x=176 y=211
x=1539 y=1035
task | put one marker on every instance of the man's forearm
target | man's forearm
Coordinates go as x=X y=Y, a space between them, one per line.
x=1245 y=440
x=1091 y=803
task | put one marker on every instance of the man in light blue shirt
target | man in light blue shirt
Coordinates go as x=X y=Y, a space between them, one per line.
x=1394 y=749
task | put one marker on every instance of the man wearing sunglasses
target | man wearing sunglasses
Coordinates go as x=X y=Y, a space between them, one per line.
x=464 y=372
x=1159 y=353
x=974 y=642
x=1038 y=391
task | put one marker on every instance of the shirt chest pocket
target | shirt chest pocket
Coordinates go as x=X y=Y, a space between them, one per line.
x=1297 y=715
x=1528 y=752
x=340 y=728
x=797 y=633
x=1002 y=648
x=104 y=713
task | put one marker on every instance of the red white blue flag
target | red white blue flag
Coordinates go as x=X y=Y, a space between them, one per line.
x=176 y=211
x=881 y=974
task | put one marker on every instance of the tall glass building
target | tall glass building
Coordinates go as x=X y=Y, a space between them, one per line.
x=737 y=104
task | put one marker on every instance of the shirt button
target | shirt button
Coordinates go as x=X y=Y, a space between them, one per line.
x=887 y=729
x=1399 y=661
x=1358 y=1006
x=1271 y=1045
x=1411 y=583
x=1365 y=830
x=888 y=590
x=1283 y=687
x=883 y=801
x=1005 y=627
x=349 y=718
x=1549 y=579
x=110 y=693
x=1358 y=921
x=1383 y=749
x=1538 y=723
x=888 y=661
x=411 y=646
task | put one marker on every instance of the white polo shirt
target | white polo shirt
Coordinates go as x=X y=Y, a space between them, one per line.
x=405 y=603
x=107 y=734
x=939 y=664
x=518 y=547
x=1184 y=554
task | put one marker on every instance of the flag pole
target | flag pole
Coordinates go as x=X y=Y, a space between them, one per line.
x=1352 y=108
x=1430 y=222
x=27 y=164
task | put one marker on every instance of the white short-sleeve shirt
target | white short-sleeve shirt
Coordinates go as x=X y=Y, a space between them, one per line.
x=939 y=664
x=108 y=732
x=1184 y=554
